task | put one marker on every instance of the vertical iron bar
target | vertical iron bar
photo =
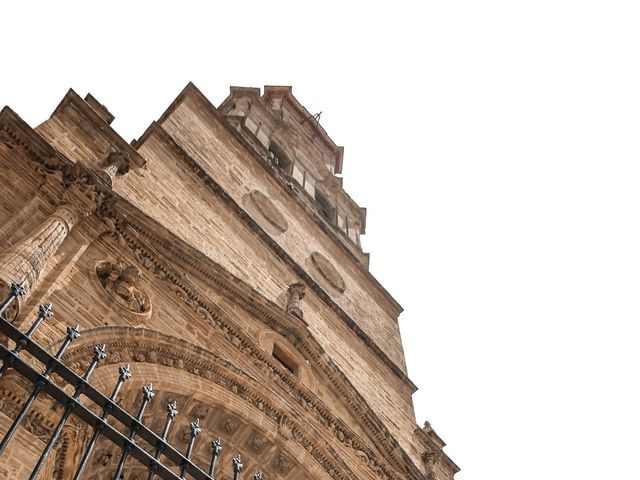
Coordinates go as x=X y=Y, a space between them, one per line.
x=195 y=431
x=72 y=334
x=16 y=290
x=216 y=448
x=237 y=467
x=98 y=354
x=172 y=411
x=45 y=311
x=125 y=373
x=148 y=394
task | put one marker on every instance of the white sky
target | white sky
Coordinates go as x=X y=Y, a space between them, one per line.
x=495 y=145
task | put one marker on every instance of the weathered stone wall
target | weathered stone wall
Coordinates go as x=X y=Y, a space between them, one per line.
x=220 y=154
x=206 y=222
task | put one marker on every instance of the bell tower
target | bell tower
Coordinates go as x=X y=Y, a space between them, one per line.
x=218 y=259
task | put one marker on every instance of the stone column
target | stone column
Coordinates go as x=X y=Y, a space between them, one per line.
x=26 y=260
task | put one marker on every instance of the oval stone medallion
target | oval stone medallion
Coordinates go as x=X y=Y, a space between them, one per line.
x=328 y=271
x=268 y=209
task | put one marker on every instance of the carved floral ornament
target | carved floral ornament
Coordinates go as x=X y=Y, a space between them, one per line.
x=269 y=210
x=328 y=271
x=122 y=283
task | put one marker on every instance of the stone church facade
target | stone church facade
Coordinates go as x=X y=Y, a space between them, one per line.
x=219 y=257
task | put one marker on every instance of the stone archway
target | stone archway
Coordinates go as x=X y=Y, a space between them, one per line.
x=251 y=417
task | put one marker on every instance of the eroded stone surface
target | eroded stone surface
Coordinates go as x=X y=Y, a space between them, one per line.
x=269 y=210
x=328 y=271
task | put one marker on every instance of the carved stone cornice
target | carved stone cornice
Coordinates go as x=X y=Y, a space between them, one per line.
x=16 y=132
x=63 y=181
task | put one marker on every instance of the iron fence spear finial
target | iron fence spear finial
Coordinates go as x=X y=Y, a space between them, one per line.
x=216 y=450
x=195 y=431
x=15 y=290
x=44 y=311
x=147 y=395
x=124 y=373
x=237 y=467
x=172 y=411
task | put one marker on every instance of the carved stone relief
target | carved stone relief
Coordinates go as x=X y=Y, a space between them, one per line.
x=328 y=271
x=269 y=210
x=257 y=442
x=230 y=424
x=122 y=283
x=283 y=464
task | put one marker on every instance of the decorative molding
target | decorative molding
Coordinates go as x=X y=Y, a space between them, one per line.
x=122 y=283
x=269 y=210
x=153 y=347
x=329 y=271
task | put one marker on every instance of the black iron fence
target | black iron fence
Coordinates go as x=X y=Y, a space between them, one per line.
x=164 y=462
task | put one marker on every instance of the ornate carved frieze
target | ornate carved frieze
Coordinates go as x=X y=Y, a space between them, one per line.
x=122 y=283
x=269 y=210
x=328 y=271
